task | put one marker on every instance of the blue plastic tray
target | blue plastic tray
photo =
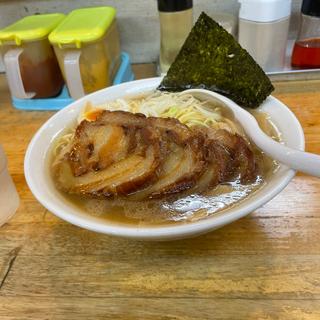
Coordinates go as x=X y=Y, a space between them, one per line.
x=124 y=74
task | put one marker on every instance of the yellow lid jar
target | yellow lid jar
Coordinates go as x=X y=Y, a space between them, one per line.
x=87 y=46
x=31 y=66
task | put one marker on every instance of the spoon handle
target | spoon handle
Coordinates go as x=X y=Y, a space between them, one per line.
x=305 y=162
x=301 y=161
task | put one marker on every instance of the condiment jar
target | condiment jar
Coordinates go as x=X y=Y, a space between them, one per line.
x=228 y=21
x=263 y=31
x=306 y=51
x=9 y=198
x=87 y=46
x=176 y=20
x=31 y=66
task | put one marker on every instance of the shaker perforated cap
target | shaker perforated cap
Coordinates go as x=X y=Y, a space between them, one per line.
x=264 y=10
x=174 y=5
x=311 y=7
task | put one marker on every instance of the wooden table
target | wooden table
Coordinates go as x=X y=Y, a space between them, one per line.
x=264 y=266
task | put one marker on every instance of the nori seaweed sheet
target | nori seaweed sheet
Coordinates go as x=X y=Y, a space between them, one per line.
x=212 y=59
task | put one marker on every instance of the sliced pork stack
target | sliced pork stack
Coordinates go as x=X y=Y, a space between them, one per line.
x=130 y=155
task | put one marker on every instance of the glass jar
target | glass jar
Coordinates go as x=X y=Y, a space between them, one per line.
x=9 y=198
x=306 y=51
x=31 y=66
x=87 y=46
x=263 y=31
x=176 y=20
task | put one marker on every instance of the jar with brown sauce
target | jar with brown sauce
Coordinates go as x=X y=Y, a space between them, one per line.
x=31 y=66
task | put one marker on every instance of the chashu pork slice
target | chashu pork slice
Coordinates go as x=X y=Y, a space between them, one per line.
x=217 y=160
x=115 y=155
x=228 y=156
x=243 y=163
x=183 y=163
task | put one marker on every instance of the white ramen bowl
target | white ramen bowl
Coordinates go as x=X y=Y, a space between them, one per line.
x=43 y=188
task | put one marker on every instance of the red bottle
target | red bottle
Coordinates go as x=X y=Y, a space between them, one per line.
x=306 y=51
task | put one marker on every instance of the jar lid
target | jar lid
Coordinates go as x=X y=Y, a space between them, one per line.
x=264 y=10
x=311 y=7
x=83 y=25
x=30 y=28
x=174 y=5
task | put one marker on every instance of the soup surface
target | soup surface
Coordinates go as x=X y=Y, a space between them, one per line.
x=182 y=207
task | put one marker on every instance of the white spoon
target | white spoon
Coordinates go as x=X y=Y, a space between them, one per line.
x=301 y=161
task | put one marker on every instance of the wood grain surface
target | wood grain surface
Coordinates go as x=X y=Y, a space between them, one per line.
x=265 y=266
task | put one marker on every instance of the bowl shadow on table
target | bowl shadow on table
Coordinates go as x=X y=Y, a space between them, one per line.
x=245 y=236
x=240 y=237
